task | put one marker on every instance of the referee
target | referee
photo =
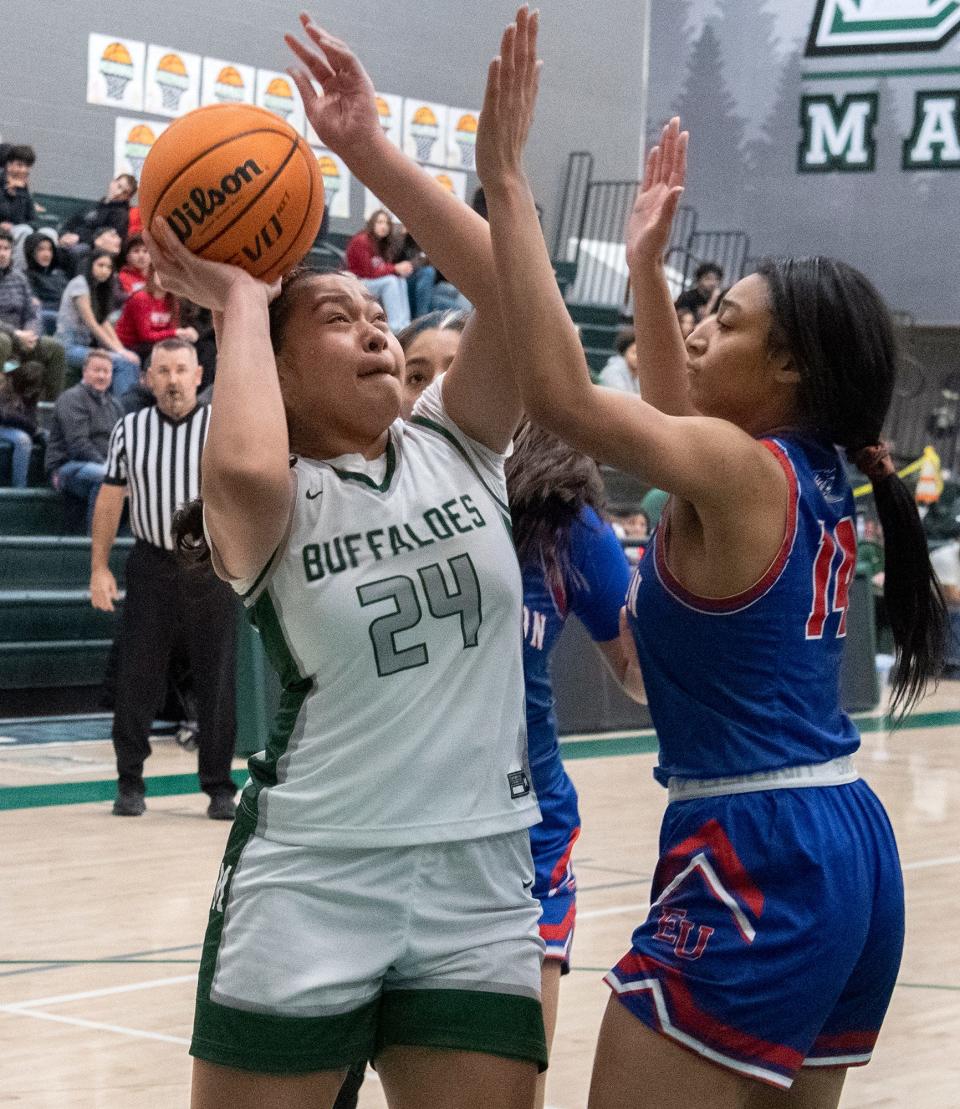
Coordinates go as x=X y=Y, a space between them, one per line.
x=154 y=457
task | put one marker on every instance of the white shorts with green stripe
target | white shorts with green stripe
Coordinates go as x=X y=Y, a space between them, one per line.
x=315 y=959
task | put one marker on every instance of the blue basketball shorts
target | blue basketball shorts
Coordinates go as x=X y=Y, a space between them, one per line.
x=551 y=843
x=775 y=931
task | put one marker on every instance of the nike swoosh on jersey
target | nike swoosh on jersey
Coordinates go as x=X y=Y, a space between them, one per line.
x=312 y=494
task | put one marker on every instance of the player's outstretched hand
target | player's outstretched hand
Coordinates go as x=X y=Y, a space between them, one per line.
x=187 y=275
x=648 y=226
x=511 y=94
x=345 y=116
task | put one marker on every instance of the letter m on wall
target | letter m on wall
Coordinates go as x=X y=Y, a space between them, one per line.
x=838 y=136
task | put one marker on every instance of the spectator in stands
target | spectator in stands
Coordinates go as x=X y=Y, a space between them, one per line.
x=19 y=392
x=429 y=343
x=687 y=319
x=18 y=213
x=83 y=419
x=621 y=371
x=421 y=281
x=945 y=560
x=140 y=395
x=134 y=265
x=112 y=210
x=21 y=325
x=46 y=274
x=108 y=238
x=83 y=321
x=704 y=295
x=201 y=320
x=652 y=505
x=368 y=256
x=150 y=316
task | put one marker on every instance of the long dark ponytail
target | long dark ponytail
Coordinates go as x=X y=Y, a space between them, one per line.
x=840 y=335
x=548 y=483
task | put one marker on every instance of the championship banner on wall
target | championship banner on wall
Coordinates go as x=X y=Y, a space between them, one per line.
x=227 y=82
x=115 y=68
x=172 y=81
x=132 y=139
x=424 y=131
x=278 y=94
x=462 y=126
x=336 y=182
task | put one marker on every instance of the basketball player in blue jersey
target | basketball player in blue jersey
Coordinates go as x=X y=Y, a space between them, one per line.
x=775 y=932
x=572 y=562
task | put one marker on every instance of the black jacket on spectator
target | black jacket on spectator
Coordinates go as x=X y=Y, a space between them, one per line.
x=17 y=309
x=82 y=422
x=693 y=300
x=16 y=206
x=105 y=213
x=15 y=412
x=47 y=282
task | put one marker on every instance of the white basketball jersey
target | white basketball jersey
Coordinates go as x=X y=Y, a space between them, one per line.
x=392 y=611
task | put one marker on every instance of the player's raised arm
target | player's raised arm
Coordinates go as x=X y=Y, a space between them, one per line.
x=681 y=455
x=661 y=355
x=246 y=471
x=479 y=391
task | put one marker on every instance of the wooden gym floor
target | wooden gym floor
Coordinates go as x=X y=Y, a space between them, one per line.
x=101 y=919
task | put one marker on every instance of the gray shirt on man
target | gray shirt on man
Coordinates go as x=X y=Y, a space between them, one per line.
x=83 y=419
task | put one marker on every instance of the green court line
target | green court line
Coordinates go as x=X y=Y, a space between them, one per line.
x=171 y=785
x=42 y=966
x=926 y=986
x=859 y=74
x=78 y=793
x=644 y=743
x=942 y=719
x=89 y=962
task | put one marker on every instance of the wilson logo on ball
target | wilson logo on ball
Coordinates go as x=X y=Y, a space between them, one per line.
x=204 y=202
x=235 y=184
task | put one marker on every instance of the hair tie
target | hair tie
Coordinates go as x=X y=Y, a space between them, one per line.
x=875 y=462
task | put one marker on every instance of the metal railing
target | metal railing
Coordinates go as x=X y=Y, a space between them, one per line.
x=573 y=206
x=729 y=249
x=588 y=247
x=601 y=258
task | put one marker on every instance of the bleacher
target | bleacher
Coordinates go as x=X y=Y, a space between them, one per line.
x=51 y=638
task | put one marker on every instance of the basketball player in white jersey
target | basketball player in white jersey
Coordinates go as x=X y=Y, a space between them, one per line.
x=374 y=899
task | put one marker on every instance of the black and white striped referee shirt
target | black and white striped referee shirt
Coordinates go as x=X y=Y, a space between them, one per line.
x=158 y=459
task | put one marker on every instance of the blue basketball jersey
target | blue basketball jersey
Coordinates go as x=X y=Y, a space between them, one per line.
x=594 y=591
x=751 y=682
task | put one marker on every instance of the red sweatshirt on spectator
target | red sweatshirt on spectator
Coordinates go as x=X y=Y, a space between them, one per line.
x=132 y=280
x=363 y=259
x=147 y=319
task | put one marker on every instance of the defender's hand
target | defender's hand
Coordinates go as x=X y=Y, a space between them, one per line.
x=648 y=226
x=511 y=95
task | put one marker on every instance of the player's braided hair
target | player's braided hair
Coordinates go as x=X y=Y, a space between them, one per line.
x=548 y=483
x=840 y=336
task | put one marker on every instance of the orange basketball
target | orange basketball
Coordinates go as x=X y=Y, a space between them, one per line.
x=236 y=184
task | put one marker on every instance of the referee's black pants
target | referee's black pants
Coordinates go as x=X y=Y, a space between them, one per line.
x=167 y=603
